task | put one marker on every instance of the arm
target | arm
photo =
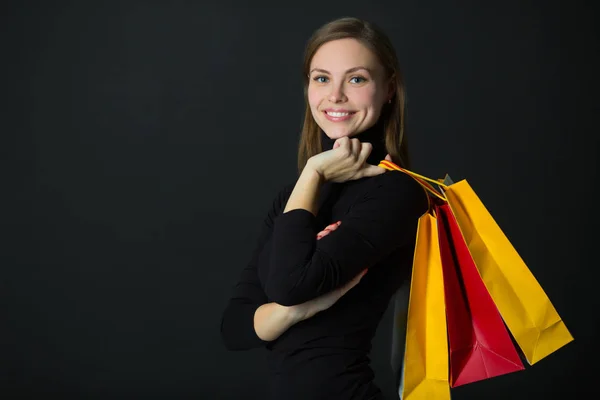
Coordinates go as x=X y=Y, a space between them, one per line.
x=272 y=319
x=302 y=268
x=237 y=320
x=247 y=315
x=345 y=162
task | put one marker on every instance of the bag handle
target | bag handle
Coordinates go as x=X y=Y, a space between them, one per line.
x=421 y=180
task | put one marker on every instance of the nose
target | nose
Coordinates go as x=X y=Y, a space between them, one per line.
x=337 y=93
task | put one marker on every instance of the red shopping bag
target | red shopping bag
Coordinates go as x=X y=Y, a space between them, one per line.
x=480 y=345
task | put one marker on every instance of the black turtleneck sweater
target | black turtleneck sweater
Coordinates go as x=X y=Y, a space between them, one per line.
x=326 y=356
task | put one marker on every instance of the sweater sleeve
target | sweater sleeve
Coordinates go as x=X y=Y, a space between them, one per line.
x=237 y=320
x=302 y=268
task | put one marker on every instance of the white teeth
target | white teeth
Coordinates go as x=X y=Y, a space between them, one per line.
x=337 y=114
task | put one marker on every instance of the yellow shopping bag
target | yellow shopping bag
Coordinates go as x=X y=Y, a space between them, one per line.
x=523 y=304
x=425 y=366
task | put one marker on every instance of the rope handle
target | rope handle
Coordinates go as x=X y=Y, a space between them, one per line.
x=421 y=180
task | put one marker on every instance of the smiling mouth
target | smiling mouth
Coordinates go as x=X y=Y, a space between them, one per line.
x=336 y=114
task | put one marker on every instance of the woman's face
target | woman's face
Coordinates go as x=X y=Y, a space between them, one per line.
x=347 y=88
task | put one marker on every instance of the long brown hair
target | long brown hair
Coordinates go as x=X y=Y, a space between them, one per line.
x=393 y=114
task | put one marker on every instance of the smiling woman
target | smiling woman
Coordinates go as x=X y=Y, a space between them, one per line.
x=305 y=295
x=346 y=101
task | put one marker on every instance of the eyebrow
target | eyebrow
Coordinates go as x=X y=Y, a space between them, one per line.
x=347 y=71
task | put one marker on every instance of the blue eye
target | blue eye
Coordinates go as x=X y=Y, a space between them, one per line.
x=320 y=79
x=357 y=79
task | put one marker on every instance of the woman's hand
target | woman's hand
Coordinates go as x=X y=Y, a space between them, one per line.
x=328 y=229
x=310 y=308
x=345 y=162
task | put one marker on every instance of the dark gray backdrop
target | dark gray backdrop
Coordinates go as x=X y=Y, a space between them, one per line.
x=142 y=143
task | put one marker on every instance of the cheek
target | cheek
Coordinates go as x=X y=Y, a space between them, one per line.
x=314 y=97
x=379 y=100
x=369 y=97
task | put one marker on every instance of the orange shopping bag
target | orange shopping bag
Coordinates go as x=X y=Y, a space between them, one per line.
x=425 y=363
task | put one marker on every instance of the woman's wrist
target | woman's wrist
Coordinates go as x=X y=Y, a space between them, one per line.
x=312 y=170
x=306 y=191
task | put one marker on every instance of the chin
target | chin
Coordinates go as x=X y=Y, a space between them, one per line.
x=337 y=134
x=340 y=133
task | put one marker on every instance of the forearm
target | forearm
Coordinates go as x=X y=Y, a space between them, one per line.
x=306 y=192
x=272 y=319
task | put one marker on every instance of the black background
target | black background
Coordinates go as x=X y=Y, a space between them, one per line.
x=142 y=143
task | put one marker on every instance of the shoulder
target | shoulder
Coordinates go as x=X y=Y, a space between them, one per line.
x=398 y=191
x=397 y=183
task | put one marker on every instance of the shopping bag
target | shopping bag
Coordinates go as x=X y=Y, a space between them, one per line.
x=480 y=345
x=525 y=307
x=425 y=367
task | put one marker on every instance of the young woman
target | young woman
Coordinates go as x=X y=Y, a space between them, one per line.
x=305 y=295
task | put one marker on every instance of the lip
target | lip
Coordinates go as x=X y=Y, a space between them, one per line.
x=338 y=110
x=341 y=110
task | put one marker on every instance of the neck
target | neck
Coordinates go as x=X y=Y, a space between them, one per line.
x=374 y=135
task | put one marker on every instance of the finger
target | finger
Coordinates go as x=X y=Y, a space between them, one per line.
x=325 y=232
x=371 y=170
x=388 y=158
x=356 y=148
x=343 y=142
x=322 y=234
x=365 y=151
x=332 y=227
